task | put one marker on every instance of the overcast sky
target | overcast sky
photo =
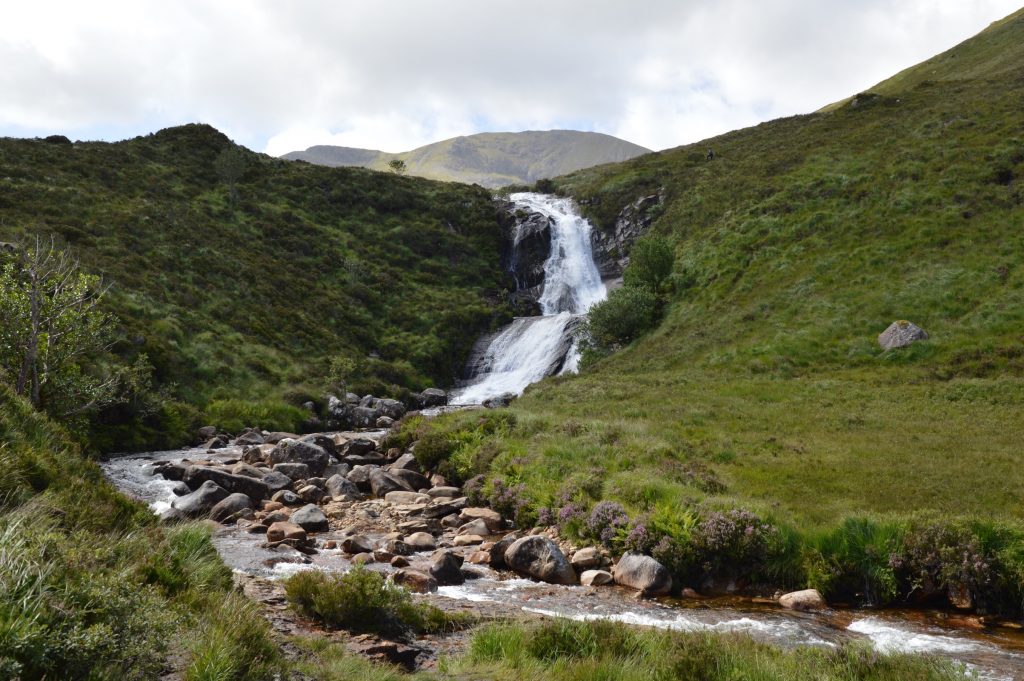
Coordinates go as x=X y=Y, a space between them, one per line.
x=278 y=75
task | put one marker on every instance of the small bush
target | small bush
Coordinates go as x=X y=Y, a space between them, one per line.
x=362 y=600
x=622 y=317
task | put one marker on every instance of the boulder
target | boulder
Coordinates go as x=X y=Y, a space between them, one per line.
x=180 y=489
x=252 y=488
x=468 y=540
x=364 y=417
x=421 y=541
x=392 y=409
x=296 y=451
x=332 y=469
x=360 y=477
x=311 y=494
x=249 y=471
x=357 y=543
x=500 y=401
x=434 y=397
x=901 y=334
x=206 y=433
x=403 y=498
x=286 y=497
x=384 y=422
x=381 y=483
x=229 y=506
x=277 y=436
x=201 y=501
x=322 y=441
x=642 y=573
x=585 y=559
x=444 y=492
x=280 y=531
x=399 y=561
x=338 y=486
x=479 y=558
x=398 y=547
x=172 y=470
x=805 y=600
x=540 y=558
x=249 y=437
x=311 y=519
x=407 y=462
x=359 y=446
x=500 y=547
x=477 y=526
x=414 y=580
x=276 y=481
x=493 y=519
x=442 y=507
x=364 y=558
x=446 y=568
x=411 y=479
x=219 y=442
x=596 y=578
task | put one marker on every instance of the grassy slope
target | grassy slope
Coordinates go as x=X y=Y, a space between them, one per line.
x=235 y=298
x=492 y=159
x=795 y=247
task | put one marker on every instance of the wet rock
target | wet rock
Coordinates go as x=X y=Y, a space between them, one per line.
x=805 y=600
x=201 y=501
x=446 y=568
x=276 y=481
x=403 y=498
x=585 y=559
x=406 y=462
x=229 y=506
x=479 y=558
x=421 y=541
x=276 y=517
x=500 y=547
x=643 y=573
x=434 y=397
x=493 y=519
x=296 y=451
x=357 y=543
x=286 y=497
x=398 y=547
x=364 y=558
x=596 y=578
x=415 y=580
x=180 y=489
x=311 y=519
x=500 y=401
x=249 y=437
x=540 y=558
x=339 y=486
x=206 y=433
x=254 y=489
x=281 y=530
x=901 y=334
x=174 y=470
x=219 y=442
x=687 y=592
x=399 y=562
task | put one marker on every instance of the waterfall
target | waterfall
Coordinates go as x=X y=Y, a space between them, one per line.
x=531 y=348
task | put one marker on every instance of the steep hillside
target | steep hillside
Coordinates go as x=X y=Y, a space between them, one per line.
x=801 y=241
x=490 y=159
x=242 y=276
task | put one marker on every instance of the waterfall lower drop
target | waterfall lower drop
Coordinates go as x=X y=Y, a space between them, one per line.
x=531 y=348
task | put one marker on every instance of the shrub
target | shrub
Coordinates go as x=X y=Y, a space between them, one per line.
x=622 y=317
x=235 y=415
x=607 y=523
x=650 y=264
x=362 y=600
x=854 y=561
x=732 y=543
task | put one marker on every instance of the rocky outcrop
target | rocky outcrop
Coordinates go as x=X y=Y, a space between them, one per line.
x=611 y=247
x=526 y=249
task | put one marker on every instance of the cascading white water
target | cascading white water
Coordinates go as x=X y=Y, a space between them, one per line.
x=531 y=348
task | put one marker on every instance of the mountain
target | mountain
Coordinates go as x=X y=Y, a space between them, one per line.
x=241 y=286
x=764 y=386
x=492 y=159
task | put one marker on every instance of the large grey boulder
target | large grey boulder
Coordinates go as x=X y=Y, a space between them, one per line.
x=296 y=451
x=201 y=501
x=229 y=506
x=392 y=408
x=252 y=488
x=322 y=441
x=901 y=334
x=540 y=558
x=806 y=600
x=415 y=481
x=365 y=417
x=360 y=476
x=276 y=481
x=381 y=483
x=446 y=568
x=249 y=437
x=340 y=486
x=434 y=397
x=311 y=519
x=642 y=573
x=295 y=471
x=358 y=446
x=414 y=580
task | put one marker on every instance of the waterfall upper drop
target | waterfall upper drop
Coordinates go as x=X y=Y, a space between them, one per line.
x=531 y=348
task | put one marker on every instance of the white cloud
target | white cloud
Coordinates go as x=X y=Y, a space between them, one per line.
x=394 y=75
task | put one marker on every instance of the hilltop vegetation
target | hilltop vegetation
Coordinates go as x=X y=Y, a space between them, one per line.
x=241 y=276
x=493 y=159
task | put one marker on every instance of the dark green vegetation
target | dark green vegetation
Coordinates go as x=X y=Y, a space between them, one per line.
x=364 y=601
x=764 y=389
x=91 y=588
x=241 y=276
x=491 y=159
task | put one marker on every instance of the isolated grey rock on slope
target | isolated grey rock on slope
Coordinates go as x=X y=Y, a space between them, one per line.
x=901 y=334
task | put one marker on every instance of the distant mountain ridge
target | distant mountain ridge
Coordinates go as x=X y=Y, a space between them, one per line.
x=491 y=159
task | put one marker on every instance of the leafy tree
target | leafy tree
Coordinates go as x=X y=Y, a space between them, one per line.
x=51 y=325
x=650 y=263
x=624 y=315
x=397 y=166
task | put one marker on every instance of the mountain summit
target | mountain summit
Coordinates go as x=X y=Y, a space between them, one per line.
x=491 y=159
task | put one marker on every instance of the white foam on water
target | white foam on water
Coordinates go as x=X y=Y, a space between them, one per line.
x=892 y=639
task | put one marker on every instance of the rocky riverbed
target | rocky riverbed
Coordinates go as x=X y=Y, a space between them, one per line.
x=281 y=503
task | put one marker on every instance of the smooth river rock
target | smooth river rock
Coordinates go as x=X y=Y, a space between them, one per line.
x=540 y=558
x=642 y=573
x=807 y=599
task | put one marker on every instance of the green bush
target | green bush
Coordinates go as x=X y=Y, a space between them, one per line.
x=619 y=319
x=362 y=600
x=650 y=264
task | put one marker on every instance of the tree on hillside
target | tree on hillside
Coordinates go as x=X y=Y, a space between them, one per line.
x=51 y=325
x=397 y=166
x=650 y=263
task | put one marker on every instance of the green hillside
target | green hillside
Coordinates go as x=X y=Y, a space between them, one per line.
x=241 y=276
x=494 y=159
x=801 y=241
